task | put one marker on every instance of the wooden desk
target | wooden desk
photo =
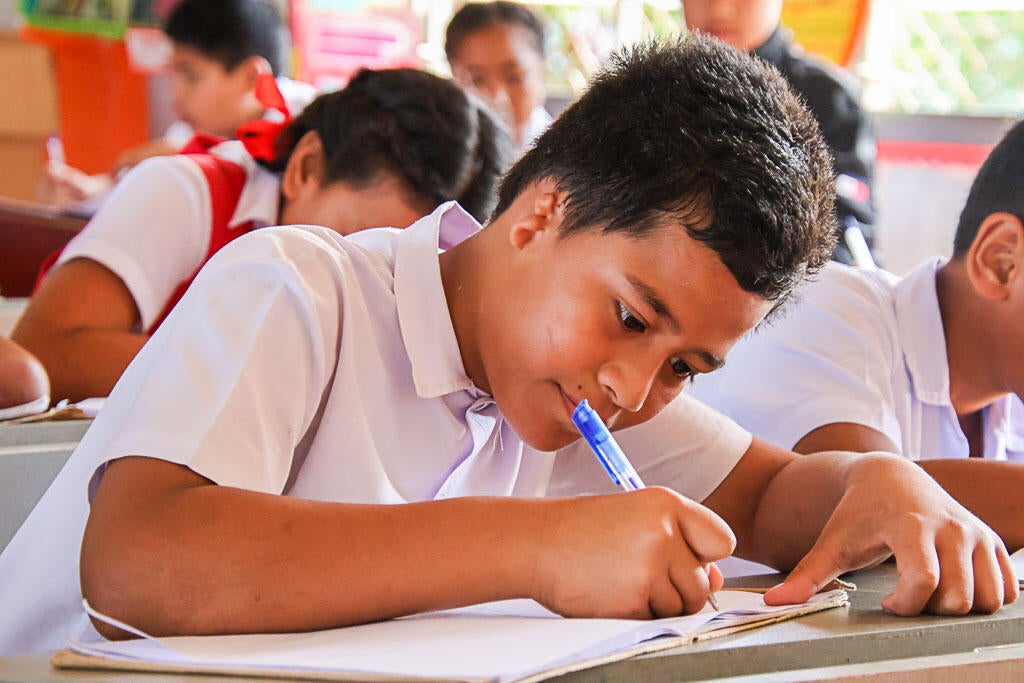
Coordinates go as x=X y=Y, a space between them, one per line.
x=842 y=644
x=29 y=233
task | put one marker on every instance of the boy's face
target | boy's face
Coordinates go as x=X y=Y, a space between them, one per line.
x=208 y=97
x=744 y=24
x=617 y=320
x=502 y=66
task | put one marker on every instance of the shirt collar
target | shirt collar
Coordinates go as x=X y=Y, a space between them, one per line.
x=258 y=202
x=919 y=326
x=423 y=315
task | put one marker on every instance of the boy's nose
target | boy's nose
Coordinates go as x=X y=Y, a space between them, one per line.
x=628 y=382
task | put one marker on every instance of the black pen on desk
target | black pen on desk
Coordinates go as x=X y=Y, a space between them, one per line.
x=595 y=432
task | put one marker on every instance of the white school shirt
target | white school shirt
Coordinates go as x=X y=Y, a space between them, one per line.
x=865 y=347
x=153 y=231
x=307 y=364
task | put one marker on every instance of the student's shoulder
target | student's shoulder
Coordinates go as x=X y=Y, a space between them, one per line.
x=849 y=289
x=314 y=256
x=175 y=174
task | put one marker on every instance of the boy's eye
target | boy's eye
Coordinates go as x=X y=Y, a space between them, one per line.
x=630 y=321
x=680 y=368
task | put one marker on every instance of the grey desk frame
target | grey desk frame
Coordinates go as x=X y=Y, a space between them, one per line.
x=855 y=643
x=31 y=455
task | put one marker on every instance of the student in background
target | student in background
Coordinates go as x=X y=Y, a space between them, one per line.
x=930 y=365
x=496 y=50
x=831 y=93
x=24 y=387
x=250 y=472
x=382 y=152
x=219 y=49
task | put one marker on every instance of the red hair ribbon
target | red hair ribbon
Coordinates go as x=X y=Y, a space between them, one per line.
x=259 y=135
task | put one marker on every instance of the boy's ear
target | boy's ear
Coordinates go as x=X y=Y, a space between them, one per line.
x=540 y=213
x=249 y=69
x=995 y=261
x=306 y=168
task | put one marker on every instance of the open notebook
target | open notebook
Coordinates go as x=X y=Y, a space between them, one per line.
x=514 y=640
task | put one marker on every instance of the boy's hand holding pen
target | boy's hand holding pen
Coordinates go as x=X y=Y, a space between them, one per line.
x=622 y=473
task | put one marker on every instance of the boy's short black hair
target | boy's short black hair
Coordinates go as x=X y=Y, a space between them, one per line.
x=693 y=132
x=998 y=187
x=477 y=16
x=230 y=31
x=443 y=143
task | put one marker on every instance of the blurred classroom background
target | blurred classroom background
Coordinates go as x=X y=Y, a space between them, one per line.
x=943 y=79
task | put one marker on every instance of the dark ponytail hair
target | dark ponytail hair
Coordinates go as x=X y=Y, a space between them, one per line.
x=441 y=142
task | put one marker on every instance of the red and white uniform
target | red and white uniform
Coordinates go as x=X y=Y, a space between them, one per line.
x=168 y=215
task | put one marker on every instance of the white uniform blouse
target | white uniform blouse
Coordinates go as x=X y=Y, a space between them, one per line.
x=306 y=364
x=153 y=231
x=860 y=347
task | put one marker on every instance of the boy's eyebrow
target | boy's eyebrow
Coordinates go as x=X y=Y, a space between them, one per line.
x=659 y=307
x=653 y=300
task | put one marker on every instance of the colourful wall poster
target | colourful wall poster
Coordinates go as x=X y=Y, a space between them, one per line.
x=831 y=28
x=107 y=18
x=336 y=38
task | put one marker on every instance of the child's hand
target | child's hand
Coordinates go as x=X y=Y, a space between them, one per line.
x=949 y=562
x=62 y=185
x=640 y=555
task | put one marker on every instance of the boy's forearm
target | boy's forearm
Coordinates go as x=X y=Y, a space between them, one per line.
x=212 y=559
x=991 y=489
x=82 y=363
x=794 y=507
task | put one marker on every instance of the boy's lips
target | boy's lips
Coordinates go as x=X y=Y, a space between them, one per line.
x=570 y=405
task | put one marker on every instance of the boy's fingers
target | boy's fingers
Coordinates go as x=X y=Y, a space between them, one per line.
x=691 y=584
x=995 y=579
x=1011 y=582
x=715 y=577
x=707 y=534
x=918 y=578
x=817 y=568
x=665 y=600
x=955 y=593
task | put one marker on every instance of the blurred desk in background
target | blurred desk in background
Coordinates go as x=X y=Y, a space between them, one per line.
x=29 y=233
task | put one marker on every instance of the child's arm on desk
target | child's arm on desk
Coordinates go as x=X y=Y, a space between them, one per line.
x=829 y=513
x=990 y=489
x=170 y=553
x=80 y=325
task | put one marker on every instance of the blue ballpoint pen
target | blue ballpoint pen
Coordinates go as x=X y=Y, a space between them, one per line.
x=610 y=455
x=607 y=450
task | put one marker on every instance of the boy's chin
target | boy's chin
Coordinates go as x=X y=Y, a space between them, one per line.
x=549 y=441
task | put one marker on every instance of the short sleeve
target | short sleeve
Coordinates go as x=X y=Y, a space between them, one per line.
x=231 y=382
x=152 y=232
x=829 y=359
x=687 y=447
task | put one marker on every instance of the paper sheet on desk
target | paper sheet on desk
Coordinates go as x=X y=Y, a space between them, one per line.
x=514 y=640
x=83 y=410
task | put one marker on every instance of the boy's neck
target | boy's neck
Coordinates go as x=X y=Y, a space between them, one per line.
x=971 y=350
x=466 y=277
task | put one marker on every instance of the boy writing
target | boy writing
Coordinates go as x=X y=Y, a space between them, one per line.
x=333 y=430
x=927 y=365
x=218 y=51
